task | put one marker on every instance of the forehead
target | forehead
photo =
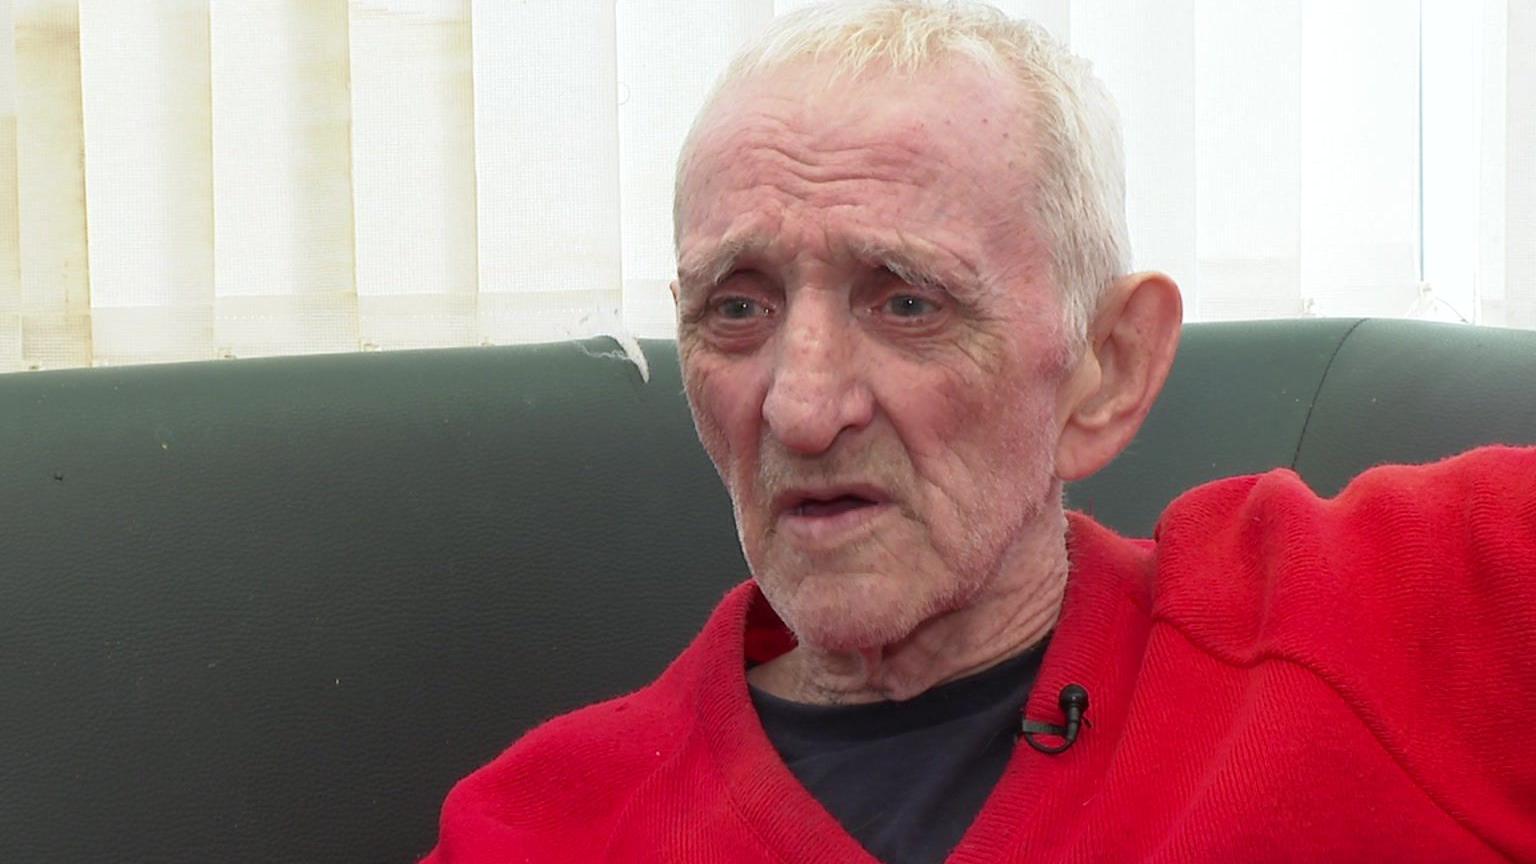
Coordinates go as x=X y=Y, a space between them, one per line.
x=939 y=152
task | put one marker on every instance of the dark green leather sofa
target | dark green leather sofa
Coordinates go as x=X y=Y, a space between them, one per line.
x=270 y=610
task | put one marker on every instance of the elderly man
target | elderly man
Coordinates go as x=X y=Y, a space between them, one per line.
x=904 y=321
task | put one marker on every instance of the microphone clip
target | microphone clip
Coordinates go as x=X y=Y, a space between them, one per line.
x=1074 y=703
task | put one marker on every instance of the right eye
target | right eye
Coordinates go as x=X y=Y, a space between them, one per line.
x=738 y=308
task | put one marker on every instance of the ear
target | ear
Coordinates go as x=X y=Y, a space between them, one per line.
x=1131 y=343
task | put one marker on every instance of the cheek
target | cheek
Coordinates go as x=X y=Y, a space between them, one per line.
x=972 y=436
x=726 y=399
x=937 y=407
x=1014 y=419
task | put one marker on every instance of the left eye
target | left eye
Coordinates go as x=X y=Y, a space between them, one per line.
x=908 y=306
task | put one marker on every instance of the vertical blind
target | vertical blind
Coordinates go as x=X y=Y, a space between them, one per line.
x=191 y=179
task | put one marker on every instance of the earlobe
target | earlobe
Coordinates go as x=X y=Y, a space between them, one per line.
x=1133 y=339
x=672 y=286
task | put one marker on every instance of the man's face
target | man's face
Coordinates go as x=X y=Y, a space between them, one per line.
x=871 y=341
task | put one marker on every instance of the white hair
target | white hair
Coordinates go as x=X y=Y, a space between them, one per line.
x=1080 y=187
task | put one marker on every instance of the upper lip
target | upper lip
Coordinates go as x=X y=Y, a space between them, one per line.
x=793 y=497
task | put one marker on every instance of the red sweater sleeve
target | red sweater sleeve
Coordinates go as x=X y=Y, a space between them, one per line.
x=1412 y=594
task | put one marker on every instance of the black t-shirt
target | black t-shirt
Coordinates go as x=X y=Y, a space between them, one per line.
x=906 y=779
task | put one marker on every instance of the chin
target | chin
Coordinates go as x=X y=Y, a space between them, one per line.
x=838 y=612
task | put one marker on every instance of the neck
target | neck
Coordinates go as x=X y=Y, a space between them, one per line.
x=1012 y=613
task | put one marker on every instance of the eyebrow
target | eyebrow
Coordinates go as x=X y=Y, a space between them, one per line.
x=909 y=265
x=926 y=265
x=717 y=263
x=909 y=262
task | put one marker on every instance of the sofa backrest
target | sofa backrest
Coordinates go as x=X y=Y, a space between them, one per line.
x=1328 y=398
x=270 y=610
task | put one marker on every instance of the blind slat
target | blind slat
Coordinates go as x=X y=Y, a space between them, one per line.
x=282 y=184
x=10 y=248
x=547 y=167
x=144 y=74
x=1359 y=156
x=413 y=170
x=1518 y=177
x=55 y=279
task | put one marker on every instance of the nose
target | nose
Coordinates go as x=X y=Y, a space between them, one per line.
x=819 y=387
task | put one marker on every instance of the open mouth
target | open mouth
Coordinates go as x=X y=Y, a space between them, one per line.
x=822 y=507
x=826 y=517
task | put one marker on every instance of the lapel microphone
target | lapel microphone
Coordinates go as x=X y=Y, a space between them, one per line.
x=1074 y=703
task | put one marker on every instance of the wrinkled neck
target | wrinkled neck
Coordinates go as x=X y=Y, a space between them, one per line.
x=1013 y=612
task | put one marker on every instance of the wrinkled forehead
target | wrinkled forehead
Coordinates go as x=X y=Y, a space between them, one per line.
x=956 y=131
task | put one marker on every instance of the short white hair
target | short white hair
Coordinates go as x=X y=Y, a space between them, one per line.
x=1080 y=187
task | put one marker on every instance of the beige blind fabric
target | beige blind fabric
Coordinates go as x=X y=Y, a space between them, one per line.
x=413 y=173
x=547 y=148
x=1505 y=258
x=148 y=169
x=191 y=179
x=10 y=229
x=283 y=266
x=55 y=292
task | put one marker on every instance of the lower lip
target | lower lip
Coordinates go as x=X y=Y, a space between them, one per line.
x=824 y=530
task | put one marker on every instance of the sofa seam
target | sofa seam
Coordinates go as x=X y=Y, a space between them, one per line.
x=1322 y=380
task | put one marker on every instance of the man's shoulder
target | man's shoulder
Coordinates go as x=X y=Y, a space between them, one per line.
x=1411 y=595
x=613 y=738
x=555 y=788
x=1397 y=540
x=1410 y=589
x=635 y=726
